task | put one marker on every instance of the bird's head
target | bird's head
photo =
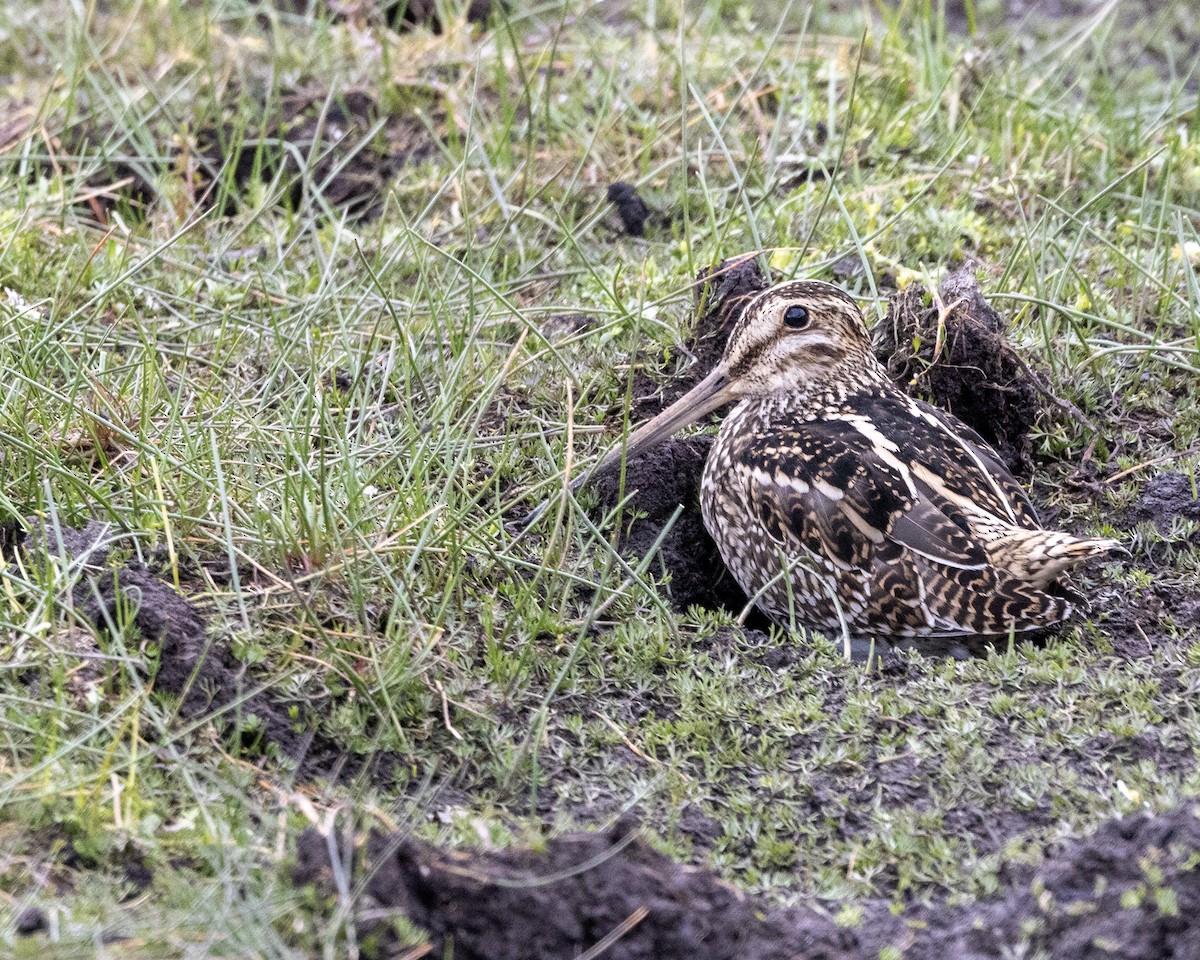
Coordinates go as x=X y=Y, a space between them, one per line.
x=791 y=337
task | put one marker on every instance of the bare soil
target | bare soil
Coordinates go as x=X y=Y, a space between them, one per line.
x=1131 y=889
x=187 y=660
x=346 y=148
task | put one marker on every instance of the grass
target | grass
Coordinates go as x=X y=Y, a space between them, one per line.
x=315 y=424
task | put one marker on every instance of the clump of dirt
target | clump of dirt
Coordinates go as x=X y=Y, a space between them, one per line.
x=631 y=208
x=667 y=478
x=1166 y=498
x=1131 y=889
x=406 y=14
x=110 y=176
x=660 y=483
x=31 y=920
x=721 y=297
x=604 y=890
x=345 y=148
x=193 y=666
x=562 y=326
x=954 y=353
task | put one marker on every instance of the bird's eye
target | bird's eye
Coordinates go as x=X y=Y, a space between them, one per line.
x=796 y=318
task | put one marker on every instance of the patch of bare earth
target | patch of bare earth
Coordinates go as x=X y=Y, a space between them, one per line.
x=1130 y=890
x=190 y=661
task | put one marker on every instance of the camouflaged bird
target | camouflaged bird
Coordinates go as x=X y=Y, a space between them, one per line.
x=839 y=503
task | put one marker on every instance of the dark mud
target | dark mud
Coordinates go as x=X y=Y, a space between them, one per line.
x=31 y=920
x=1131 y=889
x=667 y=479
x=400 y=15
x=962 y=362
x=563 y=326
x=1139 y=618
x=630 y=207
x=190 y=662
x=583 y=890
x=658 y=485
x=342 y=149
x=1165 y=500
x=337 y=150
x=721 y=296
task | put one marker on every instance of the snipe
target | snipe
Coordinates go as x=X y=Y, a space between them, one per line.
x=841 y=504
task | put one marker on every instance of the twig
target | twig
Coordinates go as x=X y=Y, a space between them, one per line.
x=615 y=934
x=628 y=743
x=446 y=711
x=1178 y=454
x=636 y=752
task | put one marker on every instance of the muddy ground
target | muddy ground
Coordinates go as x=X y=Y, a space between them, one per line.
x=190 y=662
x=335 y=150
x=1130 y=890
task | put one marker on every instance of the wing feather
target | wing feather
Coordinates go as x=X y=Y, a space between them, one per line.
x=1006 y=497
x=834 y=492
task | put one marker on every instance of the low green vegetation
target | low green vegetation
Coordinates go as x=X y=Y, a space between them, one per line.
x=282 y=299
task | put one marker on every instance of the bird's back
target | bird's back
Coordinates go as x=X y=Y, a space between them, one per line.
x=895 y=519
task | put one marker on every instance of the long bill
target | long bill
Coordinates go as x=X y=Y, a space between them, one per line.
x=712 y=392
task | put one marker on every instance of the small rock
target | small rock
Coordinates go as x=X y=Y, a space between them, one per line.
x=563 y=325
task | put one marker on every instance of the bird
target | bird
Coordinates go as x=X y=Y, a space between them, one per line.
x=841 y=504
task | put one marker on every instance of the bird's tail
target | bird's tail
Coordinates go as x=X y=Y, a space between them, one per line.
x=1039 y=556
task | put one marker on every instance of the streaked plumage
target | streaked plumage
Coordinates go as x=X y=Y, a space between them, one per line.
x=842 y=504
